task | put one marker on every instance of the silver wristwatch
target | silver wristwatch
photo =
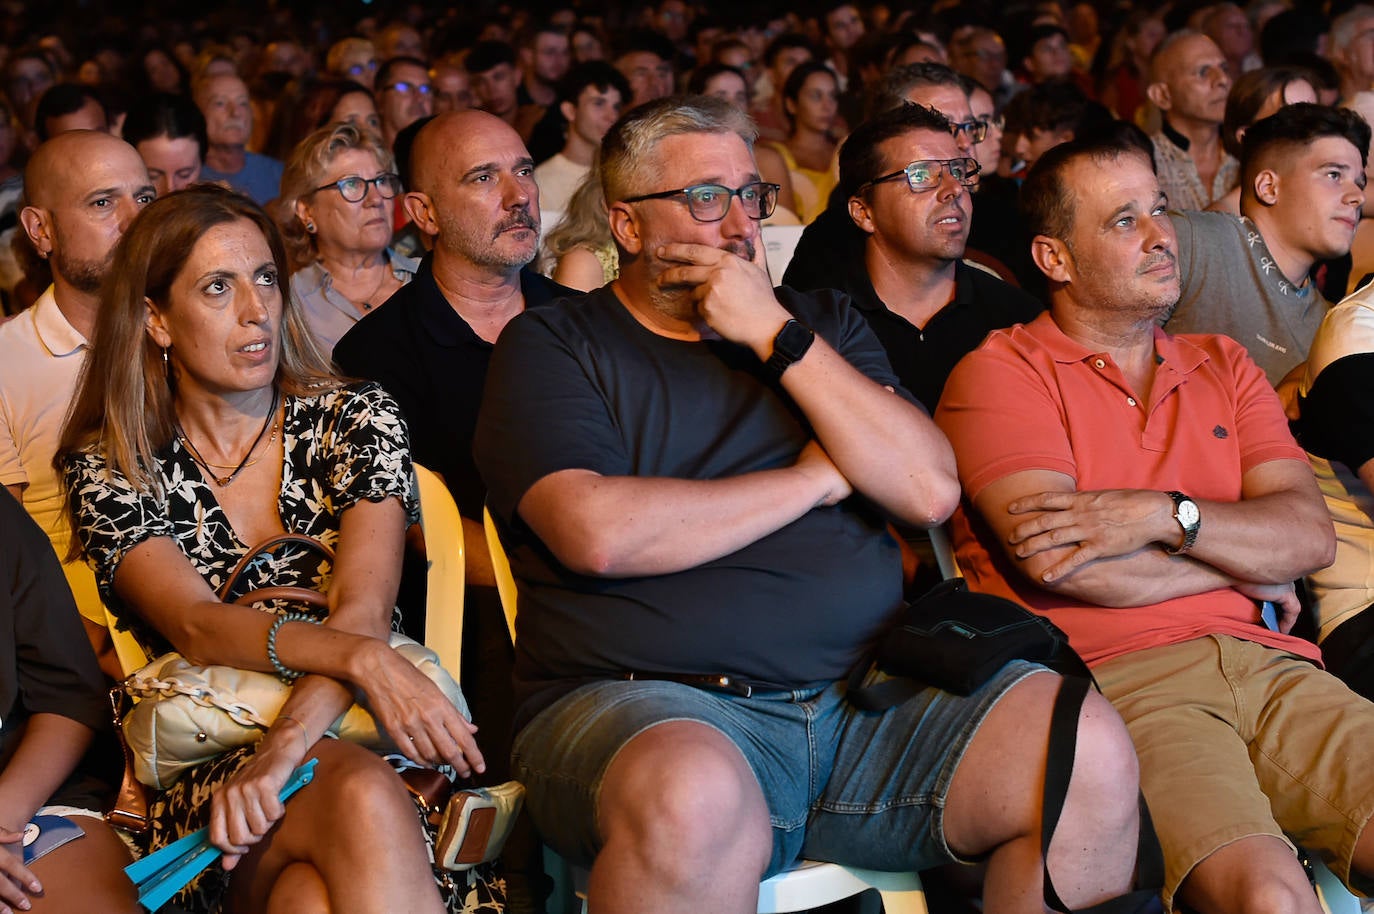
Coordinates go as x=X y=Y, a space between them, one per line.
x=1189 y=518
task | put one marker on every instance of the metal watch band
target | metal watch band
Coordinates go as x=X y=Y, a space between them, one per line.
x=1188 y=517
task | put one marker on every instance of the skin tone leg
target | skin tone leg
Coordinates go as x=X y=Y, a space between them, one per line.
x=1363 y=860
x=86 y=875
x=340 y=824
x=685 y=826
x=1258 y=875
x=995 y=806
x=299 y=890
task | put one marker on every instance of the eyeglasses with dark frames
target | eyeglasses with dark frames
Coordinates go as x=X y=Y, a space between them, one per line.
x=711 y=202
x=924 y=174
x=976 y=129
x=353 y=188
x=406 y=88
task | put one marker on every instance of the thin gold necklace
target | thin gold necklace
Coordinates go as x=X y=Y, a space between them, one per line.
x=245 y=463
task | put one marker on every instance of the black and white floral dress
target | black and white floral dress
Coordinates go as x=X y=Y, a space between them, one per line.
x=340 y=447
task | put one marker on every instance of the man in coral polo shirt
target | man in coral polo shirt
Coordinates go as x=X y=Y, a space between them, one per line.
x=1142 y=490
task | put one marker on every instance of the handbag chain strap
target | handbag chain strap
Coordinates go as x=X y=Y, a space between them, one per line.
x=144 y=685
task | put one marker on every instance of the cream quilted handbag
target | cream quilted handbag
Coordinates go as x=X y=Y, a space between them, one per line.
x=185 y=713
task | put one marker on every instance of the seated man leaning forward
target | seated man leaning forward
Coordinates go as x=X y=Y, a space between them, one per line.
x=693 y=472
x=1077 y=437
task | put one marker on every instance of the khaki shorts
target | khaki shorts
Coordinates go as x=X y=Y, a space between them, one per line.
x=1237 y=739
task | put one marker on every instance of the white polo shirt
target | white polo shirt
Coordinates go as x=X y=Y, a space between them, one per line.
x=41 y=355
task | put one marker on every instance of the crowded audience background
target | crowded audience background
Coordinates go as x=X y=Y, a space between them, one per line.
x=421 y=175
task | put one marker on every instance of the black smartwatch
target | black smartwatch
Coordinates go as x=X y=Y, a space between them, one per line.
x=1189 y=518
x=790 y=345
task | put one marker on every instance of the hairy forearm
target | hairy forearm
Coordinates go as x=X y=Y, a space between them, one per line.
x=887 y=448
x=1269 y=540
x=1111 y=546
x=1142 y=578
x=624 y=526
x=48 y=752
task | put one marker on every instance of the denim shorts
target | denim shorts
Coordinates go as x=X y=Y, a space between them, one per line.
x=842 y=785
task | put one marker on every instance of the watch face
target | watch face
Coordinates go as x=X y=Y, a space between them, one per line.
x=793 y=340
x=1188 y=514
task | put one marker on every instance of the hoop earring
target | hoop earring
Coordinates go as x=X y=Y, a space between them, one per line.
x=167 y=363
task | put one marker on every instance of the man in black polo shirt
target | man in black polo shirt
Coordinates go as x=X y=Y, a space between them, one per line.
x=908 y=186
x=831 y=243
x=474 y=195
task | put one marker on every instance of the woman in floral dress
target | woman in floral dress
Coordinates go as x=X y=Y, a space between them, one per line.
x=207 y=421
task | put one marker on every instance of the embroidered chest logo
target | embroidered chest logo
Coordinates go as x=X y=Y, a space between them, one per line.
x=1220 y=431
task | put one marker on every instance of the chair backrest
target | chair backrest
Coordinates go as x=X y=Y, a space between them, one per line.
x=505 y=579
x=444 y=581
x=779 y=243
x=944 y=552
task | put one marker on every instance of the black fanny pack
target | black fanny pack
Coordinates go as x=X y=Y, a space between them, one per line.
x=957 y=640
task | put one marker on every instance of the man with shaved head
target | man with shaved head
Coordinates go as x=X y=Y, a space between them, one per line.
x=473 y=194
x=1188 y=84
x=83 y=189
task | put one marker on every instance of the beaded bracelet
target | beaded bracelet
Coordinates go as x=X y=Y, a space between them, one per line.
x=283 y=671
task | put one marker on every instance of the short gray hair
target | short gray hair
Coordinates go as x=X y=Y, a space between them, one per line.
x=627 y=150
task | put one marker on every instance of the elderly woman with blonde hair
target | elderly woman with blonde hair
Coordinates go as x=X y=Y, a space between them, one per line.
x=338 y=197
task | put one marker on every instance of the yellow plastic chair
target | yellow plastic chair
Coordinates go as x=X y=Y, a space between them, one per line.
x=500 y=564
x=809 y=883
x=130 y=653
x=445 y=578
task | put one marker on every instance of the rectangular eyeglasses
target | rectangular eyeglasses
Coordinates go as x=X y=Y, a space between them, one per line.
x=711 y=202
x=924 y=175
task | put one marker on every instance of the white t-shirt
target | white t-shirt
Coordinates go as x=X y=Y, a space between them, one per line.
x=557 y=179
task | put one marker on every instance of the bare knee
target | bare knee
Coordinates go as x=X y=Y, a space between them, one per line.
x=1101 y=811
x=1255 y=875
x=1269 y=893
x=683 y=795
x=360 y=785
x=1260 y=891
x=1106 y=774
